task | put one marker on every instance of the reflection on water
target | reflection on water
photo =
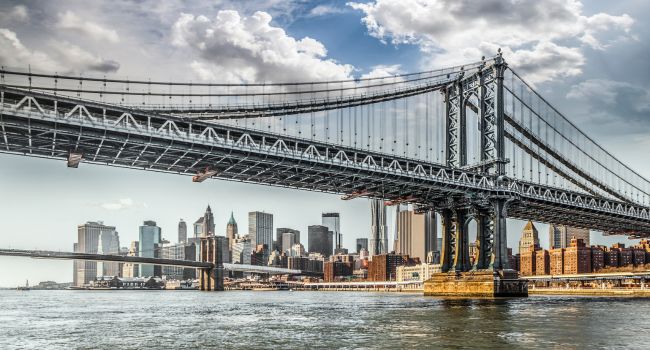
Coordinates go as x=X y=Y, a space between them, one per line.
x=255 y=320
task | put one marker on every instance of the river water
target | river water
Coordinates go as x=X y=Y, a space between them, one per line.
x=328 y=320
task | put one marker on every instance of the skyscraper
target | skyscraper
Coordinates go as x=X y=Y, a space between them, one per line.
x=560 y=236
x=231 y=231
x=88 y=241
x=378 y=228
x=260 y=229
x=182 y=232
x=529 y=239
x=319 y=240
x=278 y=236
x=110 y=244
x=410 y=234
x=150 y=238
x=333 y=223
x=362 y=243
x=288 y=240
x=242 y=250
x=430 y=236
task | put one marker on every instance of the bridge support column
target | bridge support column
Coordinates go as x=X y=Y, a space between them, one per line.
x=500 y=247
x=448 y=240
x=461 y=256
x=485 y=238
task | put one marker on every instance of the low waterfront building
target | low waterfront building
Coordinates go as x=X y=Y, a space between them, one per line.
x=420 y=272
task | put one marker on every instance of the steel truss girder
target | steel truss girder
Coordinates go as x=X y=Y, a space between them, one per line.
x=185 y=147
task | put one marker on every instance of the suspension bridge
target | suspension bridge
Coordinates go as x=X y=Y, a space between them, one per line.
x=472 y=142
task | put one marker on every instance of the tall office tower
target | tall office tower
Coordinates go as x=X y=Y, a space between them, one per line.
x=333 y=223
x=362 y=243
x=182 y=232
x=410 y=234
x=319 y=240
x=260 y=229
x=150 y=238
x=288 y=240
x=131 y=269
x=430 y=236
x=203 y=227
x=529 y=239
x=208 y=223
x=378 y=228
x=559 y=236
x=88 y=241
x=110 y=244
x=242 y=250
x=231 y=231
x=278 y=236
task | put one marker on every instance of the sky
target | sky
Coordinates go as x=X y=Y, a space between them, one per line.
x=588 y=58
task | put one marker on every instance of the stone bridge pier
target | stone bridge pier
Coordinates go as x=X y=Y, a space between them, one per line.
x=211 y=279
x=489 y=275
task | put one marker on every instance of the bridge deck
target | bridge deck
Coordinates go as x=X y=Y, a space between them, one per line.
x=46 y=126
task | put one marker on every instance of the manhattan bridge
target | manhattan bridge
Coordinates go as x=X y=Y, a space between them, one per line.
x=470 y=143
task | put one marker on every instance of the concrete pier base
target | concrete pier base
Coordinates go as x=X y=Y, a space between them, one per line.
x=485 y=283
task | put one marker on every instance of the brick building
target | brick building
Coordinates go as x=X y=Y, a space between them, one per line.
x=638 y=256
x=384 y=267
x=337 y=270
x=577 y=258
x=528 y=263
x=557 y=261
x=597 y=258
x=542 y=262
x=612 y=257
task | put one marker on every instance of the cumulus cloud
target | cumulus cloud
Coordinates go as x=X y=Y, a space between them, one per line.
x=324 y=10
x=14 y=54
x=544 y=37
x=123 y=203
x=244 y=49
x=383 y=71
x=70 y=21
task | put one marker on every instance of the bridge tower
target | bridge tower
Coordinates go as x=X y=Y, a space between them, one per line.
x=483 y=93
x=211 y=279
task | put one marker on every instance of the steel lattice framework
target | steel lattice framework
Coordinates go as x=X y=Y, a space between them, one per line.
x=44 y=123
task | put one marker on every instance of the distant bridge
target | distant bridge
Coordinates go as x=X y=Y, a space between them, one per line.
x=47 y=254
